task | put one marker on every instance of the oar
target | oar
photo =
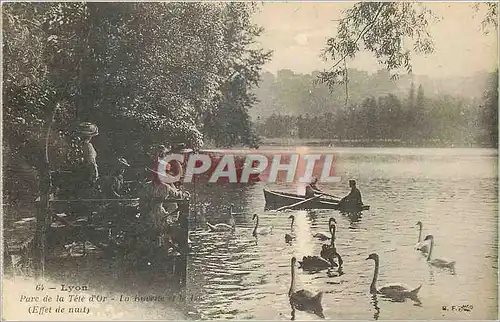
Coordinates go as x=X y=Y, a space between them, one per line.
x=298 y=203
x=329 y=195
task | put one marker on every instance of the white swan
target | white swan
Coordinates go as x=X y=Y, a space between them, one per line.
x=289 y=237
x=323 y=235
x=224 y=227
x=437 y=262
x=326 y=260
x=231 y=206
x=330 y=251
x=395 y=291
x=262 y=231
x=220 y=227
x=422 y=246
x=304 y=300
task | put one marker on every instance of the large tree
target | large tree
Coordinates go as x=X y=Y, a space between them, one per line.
x=145 y=73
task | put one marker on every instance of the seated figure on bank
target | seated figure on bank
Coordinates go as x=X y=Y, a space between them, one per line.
x=114 y=185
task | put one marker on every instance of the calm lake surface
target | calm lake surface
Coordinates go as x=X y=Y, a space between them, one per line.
x=452 y=191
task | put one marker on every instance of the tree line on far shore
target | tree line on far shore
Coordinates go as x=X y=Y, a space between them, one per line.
x=415 y=119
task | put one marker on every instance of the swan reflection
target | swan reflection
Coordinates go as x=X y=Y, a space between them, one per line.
x=375 y=306
x=431 y=276
x=335 y=273
x=312 y=215
x=291 y=236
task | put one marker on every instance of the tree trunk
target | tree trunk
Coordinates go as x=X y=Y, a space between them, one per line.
x=184 y=224
x=43 y=216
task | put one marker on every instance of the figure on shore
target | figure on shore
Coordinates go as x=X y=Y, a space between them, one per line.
x=155 y=193
x=89 y=173
x=177 y=167
x=115 y=184
x=177 y=232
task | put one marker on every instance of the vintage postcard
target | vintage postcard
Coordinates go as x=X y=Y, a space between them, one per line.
x=249 y=160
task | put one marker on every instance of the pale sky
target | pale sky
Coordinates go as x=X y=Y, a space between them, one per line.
x=297 y=32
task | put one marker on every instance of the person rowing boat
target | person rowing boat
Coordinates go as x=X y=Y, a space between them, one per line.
x=312 y=189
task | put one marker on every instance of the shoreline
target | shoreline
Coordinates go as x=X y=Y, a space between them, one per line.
x=286 y=142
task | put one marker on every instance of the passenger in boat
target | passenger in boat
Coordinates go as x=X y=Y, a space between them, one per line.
x=353 y=198
x=312 y=188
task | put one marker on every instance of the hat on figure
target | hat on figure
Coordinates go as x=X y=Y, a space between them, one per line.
x=180 y=148
x=87 y=129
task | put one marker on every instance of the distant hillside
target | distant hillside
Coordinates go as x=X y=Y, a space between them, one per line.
x=288 y=93
x=467 y=87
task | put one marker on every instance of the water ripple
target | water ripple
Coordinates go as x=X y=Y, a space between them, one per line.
x=454 y=195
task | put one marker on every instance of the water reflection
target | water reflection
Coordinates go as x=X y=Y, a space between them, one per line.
x=354 y=219
x=312 y=215
x=303 y=232
x=431 y=276
x=335 y=273
x=231 y=261
x=289 y=237
x=315 y=309
x=447 y=270
x=235 y=278
x=374 y=302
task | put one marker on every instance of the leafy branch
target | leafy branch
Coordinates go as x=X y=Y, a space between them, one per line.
x=381 y=28
x=491 y=16
x=355 y=42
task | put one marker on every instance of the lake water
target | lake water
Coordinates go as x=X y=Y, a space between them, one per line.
x=454 y=192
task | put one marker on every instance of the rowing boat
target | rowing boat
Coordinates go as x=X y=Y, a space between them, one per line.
x=277 y=199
